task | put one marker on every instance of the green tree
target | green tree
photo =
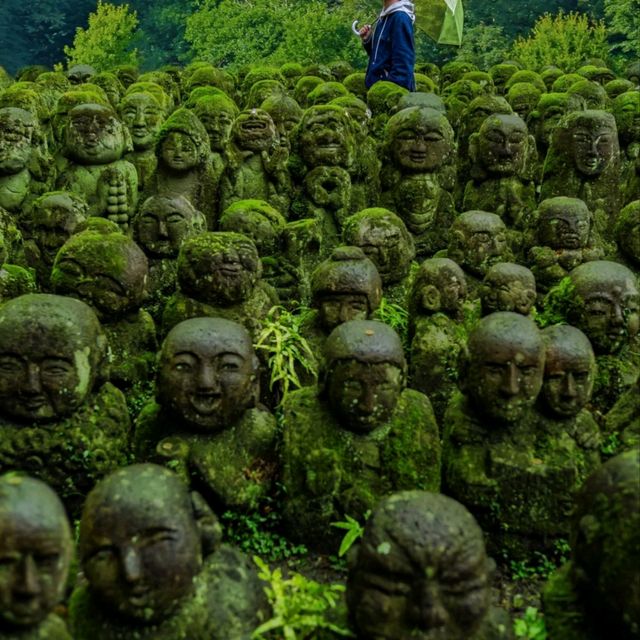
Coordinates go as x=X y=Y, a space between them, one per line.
x=484 y=45
x=564 y=40
x=623 y=21
x=107 y=40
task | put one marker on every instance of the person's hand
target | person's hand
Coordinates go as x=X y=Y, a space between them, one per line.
x=365 y=32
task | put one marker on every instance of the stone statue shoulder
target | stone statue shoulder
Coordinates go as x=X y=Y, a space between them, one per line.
x=51 y=628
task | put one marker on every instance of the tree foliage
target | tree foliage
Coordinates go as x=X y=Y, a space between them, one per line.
x=484 y=45
x=565 y=40
x=108 y=39
x=623 y=20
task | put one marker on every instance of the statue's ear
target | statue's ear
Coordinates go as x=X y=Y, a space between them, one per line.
x=463 y=369
x=431 y=298
x=455 y=250
x=207 y=523
x=530 y=164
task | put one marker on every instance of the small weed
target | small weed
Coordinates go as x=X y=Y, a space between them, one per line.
x=540 y=566
x=354 y=531
x=302 y=608
x=397 y=317
x=610 y=444
x=530 y=626
x=287 y=350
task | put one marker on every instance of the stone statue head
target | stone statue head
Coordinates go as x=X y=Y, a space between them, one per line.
x=142 y=540
x=523 y=98
x=285 y=112
x=605 y=304
x=439 y=285
x=500 y=73
x=419 y=140
x=569 y=370
x=52 y=350
x=626 y=110
x=385 y=240
x=547 y=114
x=478 y=110
x=421 y=571
x=104 y=268
x=365 y=373
x=627 y=231
x=207 y=373
x=18 y=133
x=80 y=73
x=606 y=545
x=217 y=114
x=219 y=267
x=35 y=552
x=164 y=222
x=508 y=287
x=254 y=130
x=143 y=115
x=183 y=143
x=477 y=240
x=94 y=135
x=503 y=369
x=54 y=217
x=345 y=287
x=564 y=223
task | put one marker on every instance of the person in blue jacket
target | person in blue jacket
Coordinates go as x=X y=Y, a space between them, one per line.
x=390 y=45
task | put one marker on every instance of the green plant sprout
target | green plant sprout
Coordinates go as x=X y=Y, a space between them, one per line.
x=531 y=626
x=397 y=317
x=354 y=531
x=302 y=608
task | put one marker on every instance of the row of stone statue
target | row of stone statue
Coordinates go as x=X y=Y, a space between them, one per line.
x=154 y=566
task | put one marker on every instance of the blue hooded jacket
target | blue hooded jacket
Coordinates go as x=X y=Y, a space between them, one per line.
x=391 y=51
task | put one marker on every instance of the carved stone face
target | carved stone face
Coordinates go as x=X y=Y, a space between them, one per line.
x=385 y=241
x=337 y=308
x=508 y=287
x=16 y=134
x=140 y=546
x=217 y=117
x=257 y=220
x=208 y=373
x=594 y=142
x=608 y=304
x=421 y=571
x=551 y=107
x=54 y=219
x=479 y=110
x=143 y=116
x=569 y=370
x=94 y=135
x=179 y=152
x=478 y=240
x=254 y=131
x=502 y=144
x=626 y=109
x=325 y=138
x=505 y=368
x=164 y=222
x=285 y=112
x=564 y=223
x=80 y=73
x=421 y=140
x=628 y=231
x=50 y=348
x=219 y=268
x=107 y=270
x=35 y=551
x=439 y=285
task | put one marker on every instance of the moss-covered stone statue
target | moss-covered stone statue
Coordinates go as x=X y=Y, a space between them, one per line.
x=323 y=153
x=256 y=163
x=219 y=275
x=35 y=553
x=419 y=146
x=583 y=162
x=508 y=287
x=206 y=422
x=478 y=240
x=602 y=299
x=627 y=235
x=626 y=110
x=58 y=420
x=544 y=118
x=108 y=270
x=595 y=595
x=436 y=307
x=155 y=568
x=516 y=478
x=564 y=237
x=386 y=241
x=94 y=145
x=357 y=437
x=52 y=219
x=162 y=224
x=142 y=114
x=421 y=571
x=503 y=155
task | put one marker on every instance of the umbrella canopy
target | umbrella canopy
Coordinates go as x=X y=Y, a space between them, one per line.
x=441 y=20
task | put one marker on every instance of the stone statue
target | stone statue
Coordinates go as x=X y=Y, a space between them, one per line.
x=545 y=117
x=508 y=287
x=421 y=571
x=35 y=553
x=564 y=238
x=595 y=596
x=154 y=565
x=162 y=224
x=58 y=420
x=219 y=275
x=626 y=110
x=95 y=142
x=207 y=411
x=108 y=271
x=386 y=241
x=356 y=438
x=627 y=235
x=419 y=145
